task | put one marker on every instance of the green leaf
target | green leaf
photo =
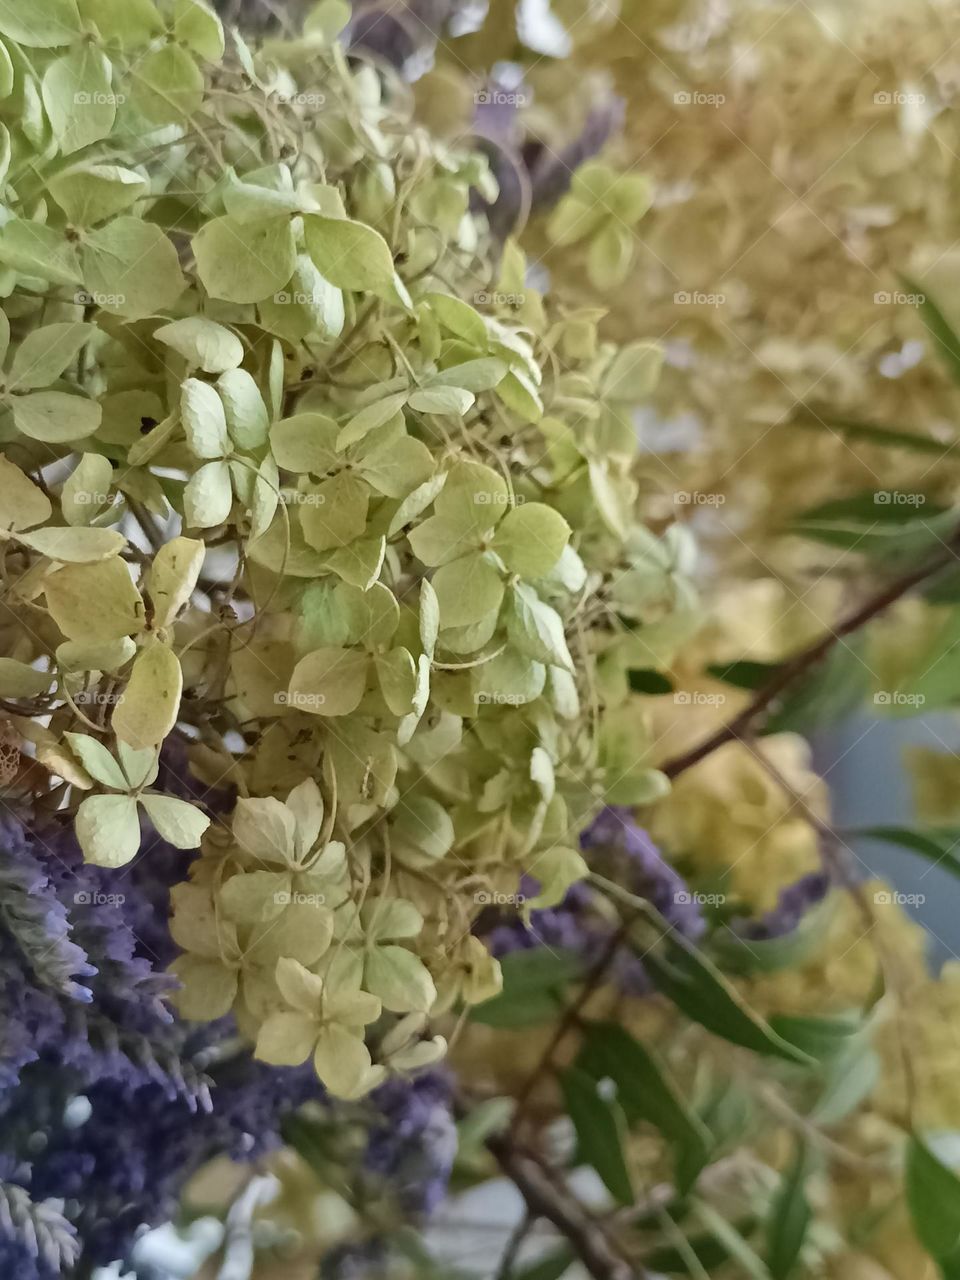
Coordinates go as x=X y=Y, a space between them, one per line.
x=645 y=1093
x=819 y=1038
x=731 y=1240
x=108 y=830
x=7 y=75
x=55 y=417
x=131 y=268
x=933 y=1198
x=609 y=257
x=78 y=97
x=90 y=193
x=140 y=767
x=202 y=343
x=649 y=682
x=536 y=629
x=245 y=261
x=700 y=991
x=789 y=1218
x=35 y=250
x=850 y=1079
x=75 y=546
x=359 y=563
x=459 y=317
x=936 y=845
x=328 y=682
x=179 y=823
x=376 y=414
x=208 y=496
x=633 y=373
x=168 y=84
x=349 y=254
x=398 y=467
x=832 y=691
x=44 y=354
x=305 y=442
x=473 y=375
x=17 y=680
x=22 y=503
x=468 y=590
x=439 y=399
x=946 y=343
x=521 y=396
x=334 y=512
x=874 y=523
x=199 y=28
x=321 y=300
x=94 y=602
x=204 y=419
x=97 y=761
x=600 y=1133
x=45 y=24
x=399 y=979
x=247 y=419
x=872 y=433
x=421 y=830
x=397 y=674
x=530 y=539
x=148 y=708
x=737 y=954
x=533 y=985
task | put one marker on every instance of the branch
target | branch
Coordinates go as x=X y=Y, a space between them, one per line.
x=745 y=722
x=546 y=1200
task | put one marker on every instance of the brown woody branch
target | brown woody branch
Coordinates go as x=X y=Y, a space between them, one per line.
x=545 y=1199
x=746 y=722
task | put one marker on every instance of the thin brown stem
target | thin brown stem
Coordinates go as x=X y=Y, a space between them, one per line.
x=747 y=720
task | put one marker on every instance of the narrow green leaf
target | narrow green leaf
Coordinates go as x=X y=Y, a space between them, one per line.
x=789 y=1218
x=600 y=1128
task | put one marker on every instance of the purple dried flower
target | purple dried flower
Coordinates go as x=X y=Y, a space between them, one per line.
x=792 y=905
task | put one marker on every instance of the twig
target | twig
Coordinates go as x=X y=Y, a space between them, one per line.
x=546 y=1200
x=791 y=670
x=514 y=1243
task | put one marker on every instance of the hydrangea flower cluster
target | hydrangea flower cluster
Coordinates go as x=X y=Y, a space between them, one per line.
x=294 y=476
